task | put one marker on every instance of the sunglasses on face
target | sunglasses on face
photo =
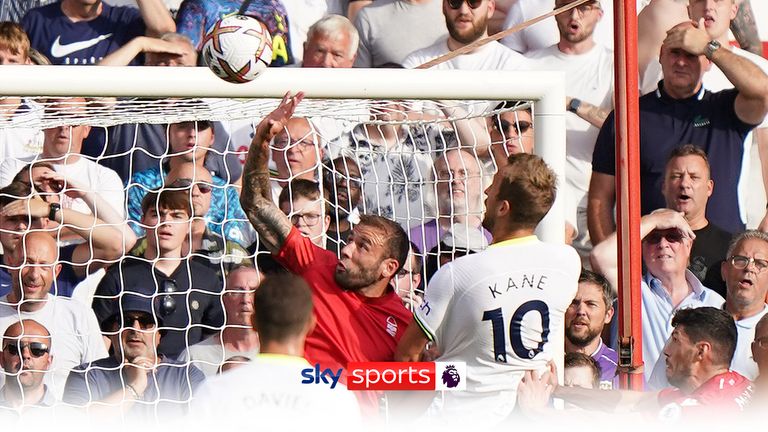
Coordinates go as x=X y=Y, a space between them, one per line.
x=671 y=237
x=37 y=349
x=512 y=128
x=456 y=4
x=145 y=321
x=188 y=183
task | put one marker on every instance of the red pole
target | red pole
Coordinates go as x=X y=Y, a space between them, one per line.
x=628 y=195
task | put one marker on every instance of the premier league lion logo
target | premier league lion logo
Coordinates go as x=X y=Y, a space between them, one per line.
x=451 y=377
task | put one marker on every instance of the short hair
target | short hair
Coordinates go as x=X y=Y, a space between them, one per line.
x=169 y=199
x=530 y=186
x=303 y=188
x=39 y=58
x=283 y=307
x=14 y=38
x=23 y=174
x=590 y=277
x=511 y=105
x=688 y=150
x=397 y=243
x=14 y=191
x=577 y=359
x=332 y=24
x=712 y=325
x=744 y=236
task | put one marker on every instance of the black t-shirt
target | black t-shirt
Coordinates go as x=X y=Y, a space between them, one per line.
x=707 y=120
x=708 y=251
x=201 y=303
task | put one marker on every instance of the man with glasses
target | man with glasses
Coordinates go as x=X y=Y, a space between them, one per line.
x=307 y=209
x=189 y=292
x=588 y=68
x=296 y=152
x=667 y=285
x=26 y=358
x=190 y=143
x=745 y=271
x=467 y=22
x=136 y=378
x=75 y=335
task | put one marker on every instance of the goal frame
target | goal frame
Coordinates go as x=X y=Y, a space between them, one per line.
x=545 y=89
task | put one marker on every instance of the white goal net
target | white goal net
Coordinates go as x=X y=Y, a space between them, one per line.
x=418 y=147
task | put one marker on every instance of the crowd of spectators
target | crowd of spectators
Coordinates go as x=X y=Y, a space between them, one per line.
x=141 y=262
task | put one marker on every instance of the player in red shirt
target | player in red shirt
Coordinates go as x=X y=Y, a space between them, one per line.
x=698 y=356
x=359 y=316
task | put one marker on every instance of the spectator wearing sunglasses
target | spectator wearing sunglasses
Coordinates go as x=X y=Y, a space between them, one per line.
x=511 y=132
x=588 y=68
x=190 y=142
x=206 y=246
x=26 y=359
x=75 y=333
x=190 y=293
x=467 y=22
x=745 y=271
x=136 y=378
x=667 y=284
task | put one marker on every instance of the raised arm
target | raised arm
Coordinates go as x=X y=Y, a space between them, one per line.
x=744 y=28
x=604 y=255
x=751 y=104
x=267 y=219
x=592 y=114
x=157 y=18
x=141 y=44
x=600 y=200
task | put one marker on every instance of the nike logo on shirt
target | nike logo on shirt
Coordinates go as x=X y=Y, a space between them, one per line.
x=59 y=50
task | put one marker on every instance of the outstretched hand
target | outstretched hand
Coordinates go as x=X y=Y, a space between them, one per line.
x=275 y=122
x=535 y=391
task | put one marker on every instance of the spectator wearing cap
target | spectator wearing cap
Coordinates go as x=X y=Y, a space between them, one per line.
x=190 y=291
x=190 y=142
x=136 y=378
x=667 y=285
x=26 y=359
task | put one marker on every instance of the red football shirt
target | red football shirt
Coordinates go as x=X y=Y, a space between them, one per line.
x=350 y=326
x=727 y=392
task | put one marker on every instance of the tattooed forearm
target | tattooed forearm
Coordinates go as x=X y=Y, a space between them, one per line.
x=267 y=219
x=593 y=114
x=744 y=29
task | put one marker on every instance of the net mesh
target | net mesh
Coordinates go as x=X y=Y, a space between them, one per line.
x=424 y=164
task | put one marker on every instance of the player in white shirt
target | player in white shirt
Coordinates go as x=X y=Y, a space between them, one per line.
x=502 y=310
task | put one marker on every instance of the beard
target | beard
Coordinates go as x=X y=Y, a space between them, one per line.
x=351 y=280
x=581 y=340
x=466 y=37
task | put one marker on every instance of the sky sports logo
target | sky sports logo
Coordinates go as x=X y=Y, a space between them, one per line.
x=381 y=376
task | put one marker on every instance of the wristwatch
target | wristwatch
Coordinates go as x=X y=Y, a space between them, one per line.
x=574 y=105
x=710 y=49
x=52 y=210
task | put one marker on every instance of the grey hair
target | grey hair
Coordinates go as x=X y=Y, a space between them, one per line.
x=331 y=25
x=746 y=235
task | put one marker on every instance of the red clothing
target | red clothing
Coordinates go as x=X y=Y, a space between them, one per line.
x=728 y=392
x=350 y=327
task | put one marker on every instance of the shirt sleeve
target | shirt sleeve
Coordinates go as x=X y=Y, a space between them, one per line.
x=76 y=390
x=604 y=155
x=364 y=58
x=298 y=253
x=93 y=343
x=515 y=40
x=437 y=298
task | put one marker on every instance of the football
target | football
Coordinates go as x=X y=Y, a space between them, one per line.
x=237 y=48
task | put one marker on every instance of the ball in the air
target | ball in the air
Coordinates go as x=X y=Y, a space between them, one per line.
x=237 y=48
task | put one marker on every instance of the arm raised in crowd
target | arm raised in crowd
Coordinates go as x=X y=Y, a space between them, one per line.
x=744 y=28
x=604 y=256
x=124 y=55
x=157 y=18
x=751 y=104
x=102 y=242
x=267 y=219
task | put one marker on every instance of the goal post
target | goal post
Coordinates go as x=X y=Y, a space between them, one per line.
x=546 y=90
